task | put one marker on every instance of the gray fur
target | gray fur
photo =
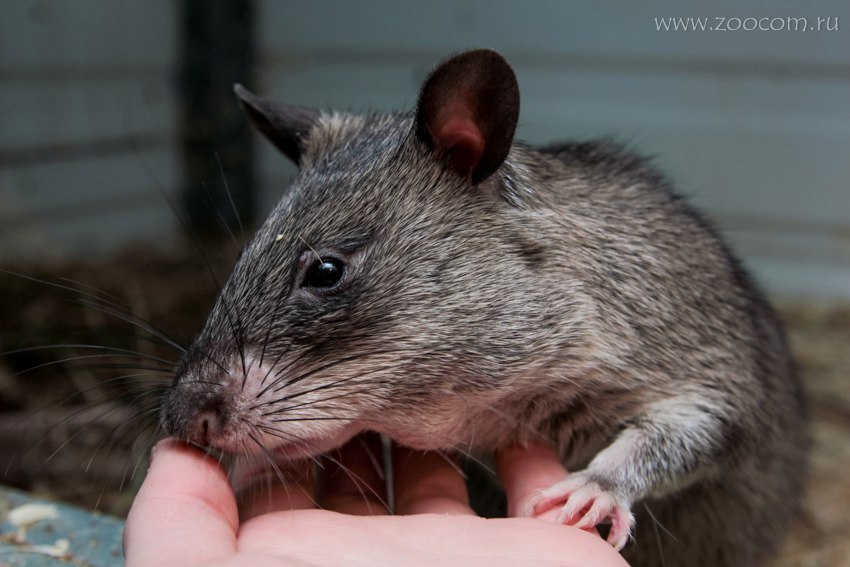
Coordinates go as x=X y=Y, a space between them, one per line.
x=571 y=296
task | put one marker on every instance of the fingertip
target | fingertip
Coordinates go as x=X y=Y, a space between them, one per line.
x=269 y=487
x=427 y=482
x=355 y=481
x=185 y=470
x=184 y=512
x=525 y=470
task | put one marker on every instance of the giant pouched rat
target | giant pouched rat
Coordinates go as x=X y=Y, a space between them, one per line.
x=428 y=277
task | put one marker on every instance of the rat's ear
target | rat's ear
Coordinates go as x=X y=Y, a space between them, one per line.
x=285 y=125
x=468 y=110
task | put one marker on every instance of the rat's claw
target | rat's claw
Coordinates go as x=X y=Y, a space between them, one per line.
x=601 y=507
x=536 y=505
x=585 y=505
x=622 y=523
x=548 y=498
x=585 y=498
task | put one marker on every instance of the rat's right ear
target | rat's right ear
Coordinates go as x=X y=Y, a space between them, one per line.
x=468 y=111
x=285 y=125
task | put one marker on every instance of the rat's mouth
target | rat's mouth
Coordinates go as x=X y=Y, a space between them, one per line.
x=286 y=459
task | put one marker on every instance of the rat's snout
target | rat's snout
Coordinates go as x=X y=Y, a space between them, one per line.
x=222 y=405
x=202 y=401
x=246 y=406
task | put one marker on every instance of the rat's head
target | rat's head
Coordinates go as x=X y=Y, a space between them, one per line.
x=387 y=291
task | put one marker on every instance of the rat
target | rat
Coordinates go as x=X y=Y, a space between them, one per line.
x=431 y=278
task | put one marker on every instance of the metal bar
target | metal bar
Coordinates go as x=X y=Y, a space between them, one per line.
x=217 y=50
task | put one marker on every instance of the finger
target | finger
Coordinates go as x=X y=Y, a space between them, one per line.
x=427 y=482
x=354 y=481
x=263 y=486
x=185 y=512
x=525 y=470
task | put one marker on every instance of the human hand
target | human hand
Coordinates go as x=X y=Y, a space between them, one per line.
x=187 y=514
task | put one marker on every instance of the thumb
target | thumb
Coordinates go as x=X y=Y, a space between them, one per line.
x=185 y=512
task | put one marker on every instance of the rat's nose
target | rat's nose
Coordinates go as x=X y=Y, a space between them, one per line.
x=202 y=428
x=205 y=427
x=196 y=417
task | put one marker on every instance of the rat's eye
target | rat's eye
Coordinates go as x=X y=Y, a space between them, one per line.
x=324 y=273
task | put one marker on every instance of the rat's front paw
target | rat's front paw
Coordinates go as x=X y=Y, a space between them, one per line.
x=585 y=504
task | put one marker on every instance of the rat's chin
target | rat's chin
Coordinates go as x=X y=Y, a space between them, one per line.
x=305 y=447
x=422 y=439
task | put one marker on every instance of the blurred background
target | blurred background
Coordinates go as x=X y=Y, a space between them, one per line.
x=123 y=153
x=100 y=98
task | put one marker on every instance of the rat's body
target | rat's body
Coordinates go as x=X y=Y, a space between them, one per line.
x=473 y=292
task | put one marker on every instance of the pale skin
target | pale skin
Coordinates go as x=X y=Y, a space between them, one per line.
x=187 y=514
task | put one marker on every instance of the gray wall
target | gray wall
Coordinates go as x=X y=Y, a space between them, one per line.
x=753 y=125
x=86 y=107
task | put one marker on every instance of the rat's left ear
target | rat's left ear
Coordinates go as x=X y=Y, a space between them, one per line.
x=468 y=110
x=287 y=126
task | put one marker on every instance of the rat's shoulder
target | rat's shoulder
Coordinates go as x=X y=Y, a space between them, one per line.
x=596 y=173
x=607 y=158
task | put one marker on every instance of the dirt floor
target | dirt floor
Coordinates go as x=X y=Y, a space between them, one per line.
x=80 y=430
x=820 y=338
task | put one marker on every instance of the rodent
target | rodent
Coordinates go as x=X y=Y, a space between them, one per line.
x=428 y=277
